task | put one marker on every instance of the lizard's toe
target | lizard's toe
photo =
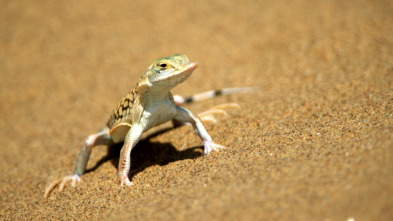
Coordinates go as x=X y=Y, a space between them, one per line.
x=211 y=146
x=124 y=181
x=209 y=116
x=62 y=182
x=73 y=178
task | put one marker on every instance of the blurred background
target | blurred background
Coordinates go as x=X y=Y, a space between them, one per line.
x=314 y=142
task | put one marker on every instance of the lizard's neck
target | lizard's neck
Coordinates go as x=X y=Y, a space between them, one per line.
x=158 y=96
x=152 y=95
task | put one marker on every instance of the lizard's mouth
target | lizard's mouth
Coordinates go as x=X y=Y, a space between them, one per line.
x=185 y=73
x=189 y=68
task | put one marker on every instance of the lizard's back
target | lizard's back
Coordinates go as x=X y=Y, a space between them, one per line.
x=121 y=118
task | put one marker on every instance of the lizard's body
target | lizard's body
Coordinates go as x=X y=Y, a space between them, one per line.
x=148 y=104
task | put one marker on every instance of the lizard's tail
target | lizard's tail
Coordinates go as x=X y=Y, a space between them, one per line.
x=179 y=100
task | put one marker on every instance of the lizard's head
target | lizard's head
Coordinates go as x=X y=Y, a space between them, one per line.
x=166 y=73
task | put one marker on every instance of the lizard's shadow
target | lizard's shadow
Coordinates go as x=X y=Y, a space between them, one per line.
x=147 y=153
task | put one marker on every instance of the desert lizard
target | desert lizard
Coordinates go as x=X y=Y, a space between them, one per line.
x=148 y=104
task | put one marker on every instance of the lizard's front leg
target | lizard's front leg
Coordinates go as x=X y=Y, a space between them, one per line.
x=185 y=115
x=91 y=141
x=131 y=139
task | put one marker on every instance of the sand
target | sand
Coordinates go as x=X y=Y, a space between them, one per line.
x=314 y=142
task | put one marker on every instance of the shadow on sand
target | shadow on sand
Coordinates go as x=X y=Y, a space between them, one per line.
x=146 y=154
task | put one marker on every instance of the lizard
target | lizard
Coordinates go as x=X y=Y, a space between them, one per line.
x=149 y=104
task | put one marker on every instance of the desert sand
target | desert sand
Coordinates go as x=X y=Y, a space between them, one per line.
x=313 y=142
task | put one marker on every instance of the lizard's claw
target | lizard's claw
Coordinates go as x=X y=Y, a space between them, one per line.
x=124 y=181
x=210 y=145
x=208 y=116
x=62 y=182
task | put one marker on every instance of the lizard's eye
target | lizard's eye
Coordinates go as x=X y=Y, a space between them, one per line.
x=163 y=65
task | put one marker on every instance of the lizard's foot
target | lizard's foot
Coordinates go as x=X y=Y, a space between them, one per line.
x=62 y=182
x=210 y=145
x=124 y=181
x=208 y=116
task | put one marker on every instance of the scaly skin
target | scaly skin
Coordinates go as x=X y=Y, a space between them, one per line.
x=148 y=104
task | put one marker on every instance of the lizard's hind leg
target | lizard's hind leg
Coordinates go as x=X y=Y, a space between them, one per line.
x=209 y=115
x=100 y=138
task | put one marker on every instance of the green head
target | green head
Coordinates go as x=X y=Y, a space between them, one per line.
x=165 y=73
